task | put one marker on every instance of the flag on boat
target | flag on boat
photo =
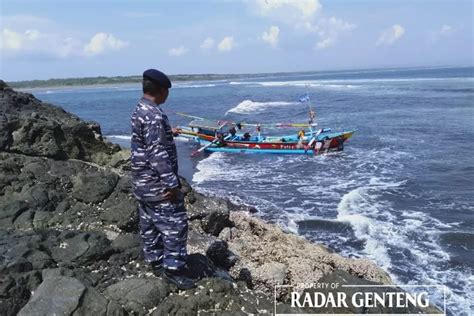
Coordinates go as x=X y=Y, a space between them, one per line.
x=304 y=98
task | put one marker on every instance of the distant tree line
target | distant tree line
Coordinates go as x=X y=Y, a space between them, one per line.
x=124 y=79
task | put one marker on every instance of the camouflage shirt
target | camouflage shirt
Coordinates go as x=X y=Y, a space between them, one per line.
x=154 y=156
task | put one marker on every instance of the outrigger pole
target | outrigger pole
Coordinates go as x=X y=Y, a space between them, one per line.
x=311 y=112
x=312 y=116
x=277 y=125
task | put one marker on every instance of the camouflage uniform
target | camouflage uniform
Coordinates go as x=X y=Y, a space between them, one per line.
x=163 y=224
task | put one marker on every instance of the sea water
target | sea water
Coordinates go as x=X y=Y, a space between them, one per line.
x=401 y=193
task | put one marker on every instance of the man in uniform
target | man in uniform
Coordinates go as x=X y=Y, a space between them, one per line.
x=163 y=220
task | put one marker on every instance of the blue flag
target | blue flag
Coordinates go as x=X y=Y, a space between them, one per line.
x=304 y=98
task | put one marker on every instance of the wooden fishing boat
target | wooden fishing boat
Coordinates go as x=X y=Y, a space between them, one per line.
x=222 y=136
x=315 y=143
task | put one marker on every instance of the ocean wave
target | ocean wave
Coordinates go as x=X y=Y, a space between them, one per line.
x=313 y=84
x=355 y=188
x=353 y=208
x=249 y=106
x=361 y=85
x=299 y=83
x=328 y=81
x=125 y=137
x=119 y=138
x=394 y=238
x=186 y=86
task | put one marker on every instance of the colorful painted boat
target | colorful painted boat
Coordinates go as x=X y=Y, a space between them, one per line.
x=214 y=136
x=324 y=142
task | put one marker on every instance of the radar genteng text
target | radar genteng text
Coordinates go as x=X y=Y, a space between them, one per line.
x=366 y=299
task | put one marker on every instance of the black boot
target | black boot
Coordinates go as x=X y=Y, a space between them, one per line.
x=177 y=278
x=157 y=268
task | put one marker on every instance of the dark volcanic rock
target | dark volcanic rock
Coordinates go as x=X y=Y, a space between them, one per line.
x=44 y=193
x=216 y=296
x=13 y=294
x=60 y=296
x=35 y=128
x=213 y=214
x=138 y=295
x=80 y=248
x=121 y=209
x=220 y=255
x=94 y=187
x=200 y=266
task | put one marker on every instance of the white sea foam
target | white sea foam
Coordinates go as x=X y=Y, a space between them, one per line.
x=346 y=187
x=210 y=168
x=323 y=84
x=182 y=139
x=342 y=83
x=382 y=228
x=365 y=228
x=125 y=137
x=249 y=106
x=314 y=84
x=183 y=86
x=379 y=86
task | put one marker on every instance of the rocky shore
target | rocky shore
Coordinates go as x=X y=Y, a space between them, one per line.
x=69 y=242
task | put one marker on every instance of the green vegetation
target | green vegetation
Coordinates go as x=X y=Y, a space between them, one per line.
x=122 y=80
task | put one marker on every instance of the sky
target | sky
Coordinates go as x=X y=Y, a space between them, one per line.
x=45 y=39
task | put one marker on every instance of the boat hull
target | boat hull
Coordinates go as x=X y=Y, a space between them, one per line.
x=324 y=142
x=261 y=151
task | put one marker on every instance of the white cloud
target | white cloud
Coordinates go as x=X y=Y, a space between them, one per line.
x=227 y=44
x=33 y=36
x=288 y=10
x=11 y=40
x=36 y=43
x=443 y=32
x=103 y=42
x=207 y=44
x=329 y=31
x=272 y=36
x=446 y=29
x=305 y=16
x=391 y=35
x=179 y=51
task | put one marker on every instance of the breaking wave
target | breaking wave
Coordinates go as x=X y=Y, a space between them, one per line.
x=373 y=86
x=339 y=83
x=344 y=190
x=185 y=86
x=124 y=137
x=249 y=106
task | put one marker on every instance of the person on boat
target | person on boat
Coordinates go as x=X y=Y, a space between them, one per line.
x=300 y=139
x=232 y=131
x=219 y=138
x=163 y=219
x=301 y=134
x=246 y=137
x=312 y=116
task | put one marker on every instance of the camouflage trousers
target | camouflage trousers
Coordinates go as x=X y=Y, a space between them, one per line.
x=164 y=231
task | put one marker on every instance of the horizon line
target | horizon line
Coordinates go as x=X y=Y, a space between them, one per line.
x=258 y=73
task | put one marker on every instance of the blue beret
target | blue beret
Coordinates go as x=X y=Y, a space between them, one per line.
x=158 y=77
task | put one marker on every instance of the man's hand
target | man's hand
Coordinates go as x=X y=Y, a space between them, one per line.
x=172 y=194
x=176 y=131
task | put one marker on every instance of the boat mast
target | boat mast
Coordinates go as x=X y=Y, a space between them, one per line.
x=311 y=112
